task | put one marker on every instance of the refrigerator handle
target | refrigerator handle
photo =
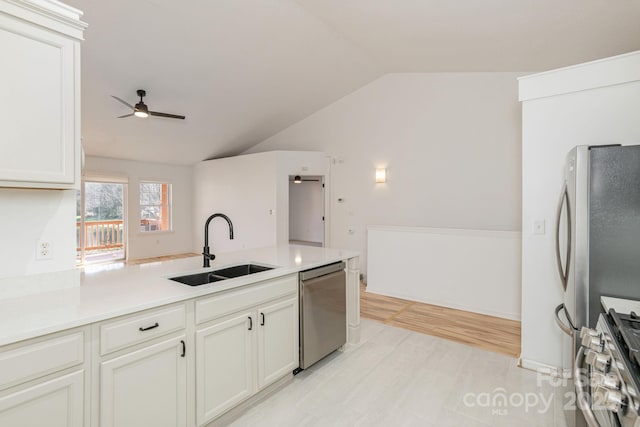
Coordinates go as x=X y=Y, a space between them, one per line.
x=563 y=271
x=567 y=329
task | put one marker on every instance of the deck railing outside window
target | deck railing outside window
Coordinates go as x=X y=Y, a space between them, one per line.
x=101 y=234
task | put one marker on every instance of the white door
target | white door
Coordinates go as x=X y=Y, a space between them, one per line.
x=224 y=365
x=277 y=341
x=55 y=403
x=147 y=387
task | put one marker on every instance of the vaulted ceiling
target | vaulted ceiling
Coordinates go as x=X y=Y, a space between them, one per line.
x=242 y=70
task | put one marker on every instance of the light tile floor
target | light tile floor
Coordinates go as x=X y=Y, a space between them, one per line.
x=396 y=377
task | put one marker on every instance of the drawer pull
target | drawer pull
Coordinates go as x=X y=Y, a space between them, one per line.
x=262 y=323
x=149 y=327
x=184 y=348
x=250 y=323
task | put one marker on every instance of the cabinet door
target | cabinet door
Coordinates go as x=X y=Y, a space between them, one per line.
x=224 y=365
x=147 y=387
x=55 y=403
x=278 y=352
x=38 y=134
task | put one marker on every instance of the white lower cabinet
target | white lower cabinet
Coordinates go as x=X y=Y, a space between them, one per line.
x=224 y=365
x=277 y=340
x=241 y=352
x=146 y=387
x=43 y=381
x=57 y=402
x=141 y=369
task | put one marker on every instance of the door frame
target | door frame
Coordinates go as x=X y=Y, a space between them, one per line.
x=325 y=217
x=105 y=179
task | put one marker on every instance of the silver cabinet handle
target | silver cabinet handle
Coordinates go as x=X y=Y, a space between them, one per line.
x=581 y=396
x=563 y=271
x=569 y=330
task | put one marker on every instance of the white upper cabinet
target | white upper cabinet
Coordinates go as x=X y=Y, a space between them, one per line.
x=40 y=94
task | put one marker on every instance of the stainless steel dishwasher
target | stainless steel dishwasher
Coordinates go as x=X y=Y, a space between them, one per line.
x=323 y=312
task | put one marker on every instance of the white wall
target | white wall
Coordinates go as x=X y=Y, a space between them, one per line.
x=253 y=190
x=244 y=189
x=27 y=216
x=145 y=245
x=470 y=270
x=450 y=143
x=552 y=125
x=306 y=209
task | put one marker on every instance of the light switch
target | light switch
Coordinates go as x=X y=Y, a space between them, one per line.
x=538 y=226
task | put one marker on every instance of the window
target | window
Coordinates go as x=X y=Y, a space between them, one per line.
x=155 y=206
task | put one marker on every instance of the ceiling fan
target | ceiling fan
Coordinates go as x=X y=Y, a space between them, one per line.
x=141 y=109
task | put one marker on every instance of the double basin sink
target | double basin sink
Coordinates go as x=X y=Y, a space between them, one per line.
x=222 y=274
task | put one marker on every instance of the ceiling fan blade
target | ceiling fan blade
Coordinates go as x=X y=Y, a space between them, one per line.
x=126 y=115
x=124 y=102
x=171 y=116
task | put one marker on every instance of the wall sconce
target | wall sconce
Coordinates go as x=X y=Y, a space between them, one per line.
x=381 y=175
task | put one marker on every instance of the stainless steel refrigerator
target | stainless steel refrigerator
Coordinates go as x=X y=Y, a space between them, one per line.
x=597 y=238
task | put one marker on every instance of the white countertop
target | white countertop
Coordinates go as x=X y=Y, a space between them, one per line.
x=100 y=293
x=624 y=306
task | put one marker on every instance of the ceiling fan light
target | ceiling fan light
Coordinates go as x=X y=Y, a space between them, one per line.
x=141 y=110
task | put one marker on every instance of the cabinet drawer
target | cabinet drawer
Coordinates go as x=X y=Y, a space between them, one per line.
x=37 y=358
x=220 y=305
x=142 y=327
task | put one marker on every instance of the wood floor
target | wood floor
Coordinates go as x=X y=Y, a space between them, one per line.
x=486 y=332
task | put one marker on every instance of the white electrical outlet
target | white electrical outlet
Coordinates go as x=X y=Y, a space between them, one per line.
x=44 y=249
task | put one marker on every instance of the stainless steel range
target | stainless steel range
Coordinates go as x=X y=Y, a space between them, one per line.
x=607 y=368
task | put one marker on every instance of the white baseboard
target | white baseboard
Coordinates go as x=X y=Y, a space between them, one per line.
x=555 y=371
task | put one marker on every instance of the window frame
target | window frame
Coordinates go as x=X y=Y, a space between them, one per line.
x=169 y=207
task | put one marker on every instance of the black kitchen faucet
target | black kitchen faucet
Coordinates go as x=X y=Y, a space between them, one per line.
x=205 y=251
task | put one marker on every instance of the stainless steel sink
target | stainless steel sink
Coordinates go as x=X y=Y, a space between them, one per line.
x=222 y=274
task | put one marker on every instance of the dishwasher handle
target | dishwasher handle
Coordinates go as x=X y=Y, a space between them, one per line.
x=322 y=271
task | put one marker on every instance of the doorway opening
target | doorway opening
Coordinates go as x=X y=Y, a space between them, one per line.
x=100 y=222
x=306 y=210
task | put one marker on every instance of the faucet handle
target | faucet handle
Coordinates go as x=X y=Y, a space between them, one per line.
x=207 y=256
